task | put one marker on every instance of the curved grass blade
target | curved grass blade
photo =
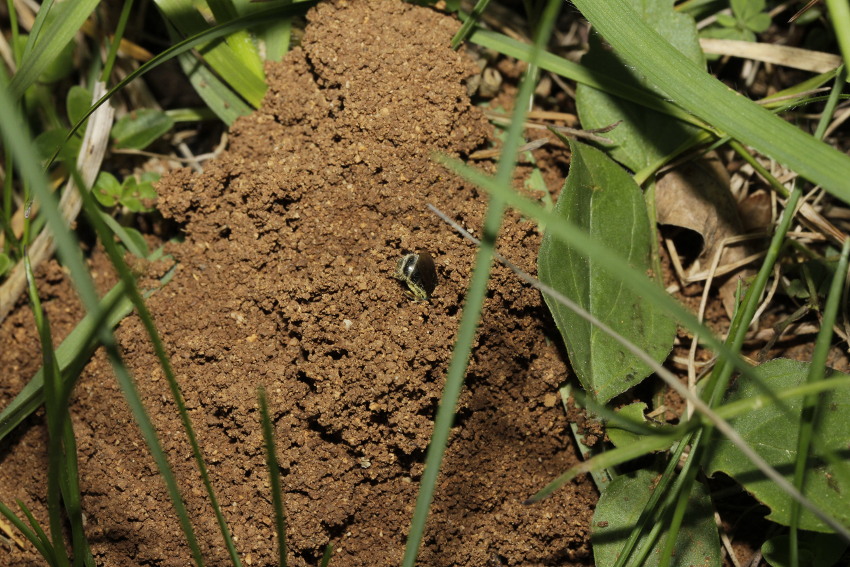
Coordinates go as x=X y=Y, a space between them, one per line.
x=43 y=547
x=469 y=22
x=274 y=477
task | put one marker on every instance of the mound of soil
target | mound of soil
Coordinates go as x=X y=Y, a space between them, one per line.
x=284 y=281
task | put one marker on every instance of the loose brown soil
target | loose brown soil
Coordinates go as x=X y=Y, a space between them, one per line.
x=284 y=281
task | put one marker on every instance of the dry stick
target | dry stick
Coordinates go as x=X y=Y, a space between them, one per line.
x=88 y=162
x=718 y=422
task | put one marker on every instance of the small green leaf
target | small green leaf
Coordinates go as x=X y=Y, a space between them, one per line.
x=727 y=20
x=77 y=103
x=133 y=192
x=773 y=433
x=746 y=9
x=604 y=200
x=621 y=505
x=138 y=129
x=106 y=189
x=759 y=23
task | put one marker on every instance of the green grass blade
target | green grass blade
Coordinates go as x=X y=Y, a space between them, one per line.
x=326 y=556
x=839 y=11
x=821 y=350
x=17 y=139
x=275 y=35
x=52 y=39
x=93 y=214
x=642 y=48
x=27 y=532
x=811 y=408
x=55 y=413
x=473 y=304
x=71 y=355
x=274 y=478
x=609 y=459
x=469 y=22
x=112 y=54
x=131 y=394
x=73 y=500
x=46 y=545
x=240 y=42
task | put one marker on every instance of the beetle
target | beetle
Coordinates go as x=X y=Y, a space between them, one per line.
x=419 y=273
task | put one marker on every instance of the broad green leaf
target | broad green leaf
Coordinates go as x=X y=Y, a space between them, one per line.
x=772 y=431
x=140 y=128
x=690 y=87
x=603 y=199
x=815 y=550
x=643 y=136
x=621 y=505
